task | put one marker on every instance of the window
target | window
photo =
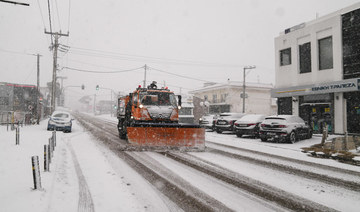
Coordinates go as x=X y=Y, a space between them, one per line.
x=325 y=53
x=285 y=57
x=223 y=97
x=305 y=58
x=214 y=98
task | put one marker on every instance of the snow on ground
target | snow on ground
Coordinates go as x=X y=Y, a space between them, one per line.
x=113 y=185
x=281 y=149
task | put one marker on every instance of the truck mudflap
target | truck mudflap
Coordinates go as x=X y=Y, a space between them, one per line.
x=167 y=136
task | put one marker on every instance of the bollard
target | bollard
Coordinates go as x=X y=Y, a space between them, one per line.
x=46 y=158
x=54 y=137
x=51 y=140
x=7 y=122
x=17 y=136
x=36 y=172
x=346 y=140
x=49 y=152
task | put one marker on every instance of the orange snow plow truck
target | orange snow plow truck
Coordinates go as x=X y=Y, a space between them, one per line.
x=149 y=120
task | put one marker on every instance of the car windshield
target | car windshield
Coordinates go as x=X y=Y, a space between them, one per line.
x=61 y=115
x=158 y=98
x=274 y=120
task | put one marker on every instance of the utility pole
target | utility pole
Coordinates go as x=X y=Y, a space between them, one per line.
x=244 y=87
x=145 y=67
x=55 y=46
x=62 y=94
x=38 y=111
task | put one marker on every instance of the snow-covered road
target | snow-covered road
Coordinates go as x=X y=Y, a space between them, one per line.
x=85 y=174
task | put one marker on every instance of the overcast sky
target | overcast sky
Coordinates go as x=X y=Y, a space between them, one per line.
x=197 y=40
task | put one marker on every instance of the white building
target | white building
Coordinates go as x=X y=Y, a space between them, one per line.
x=318 y=70
x=227 y=98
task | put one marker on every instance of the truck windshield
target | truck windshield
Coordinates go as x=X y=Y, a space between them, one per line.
x=158 y=98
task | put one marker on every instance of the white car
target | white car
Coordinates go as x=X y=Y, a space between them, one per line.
x=60 y=120
x=284 y=128
x=208 y=121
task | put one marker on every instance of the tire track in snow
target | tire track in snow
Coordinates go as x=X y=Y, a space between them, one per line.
x=85 y=200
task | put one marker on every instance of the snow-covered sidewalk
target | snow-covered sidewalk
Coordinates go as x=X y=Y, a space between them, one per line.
x=83 y=175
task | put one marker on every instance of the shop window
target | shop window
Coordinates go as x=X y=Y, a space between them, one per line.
x=285 y=57
x=325 y=53
x=305 y=58
x=285 y=106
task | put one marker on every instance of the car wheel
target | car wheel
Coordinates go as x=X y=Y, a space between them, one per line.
x=239 y=135
x=310 y=134
x=219 y=131
x=263 y=139
x=292 y=137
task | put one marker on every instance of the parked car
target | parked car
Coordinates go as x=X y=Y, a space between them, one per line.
x=208 y=122
x=249 y=125
x=284 y=128
x=225 y=121
x=60 y=120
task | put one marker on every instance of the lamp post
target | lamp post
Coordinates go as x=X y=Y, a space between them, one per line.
x=244 y=87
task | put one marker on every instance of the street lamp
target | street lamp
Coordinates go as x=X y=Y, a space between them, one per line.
x=243 y=96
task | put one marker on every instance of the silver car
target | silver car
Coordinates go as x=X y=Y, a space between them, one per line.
x=249 y=125
x=60 y=120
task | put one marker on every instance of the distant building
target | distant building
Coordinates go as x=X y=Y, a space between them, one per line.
x=227 y=97
x=318 y=71
x=105 y=107
x=19 y=101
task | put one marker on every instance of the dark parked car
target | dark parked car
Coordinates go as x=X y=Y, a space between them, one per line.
x=284 y=128
x=208 y=121
x=225 y=121
x=249 y=125
x=60 y=120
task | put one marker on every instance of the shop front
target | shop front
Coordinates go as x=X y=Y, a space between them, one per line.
x=317 y=110
x=336 y=104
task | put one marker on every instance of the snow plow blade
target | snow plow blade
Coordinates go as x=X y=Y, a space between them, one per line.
x=184 y=137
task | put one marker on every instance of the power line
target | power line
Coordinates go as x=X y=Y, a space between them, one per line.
x=103 y=72
x=115 y=55
x=14 y=2
x=69 y=15
x=42 y=17
x=178 y=75
x=14 y=52
x=96 y=65
x=57 y=11
x=50 y=21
